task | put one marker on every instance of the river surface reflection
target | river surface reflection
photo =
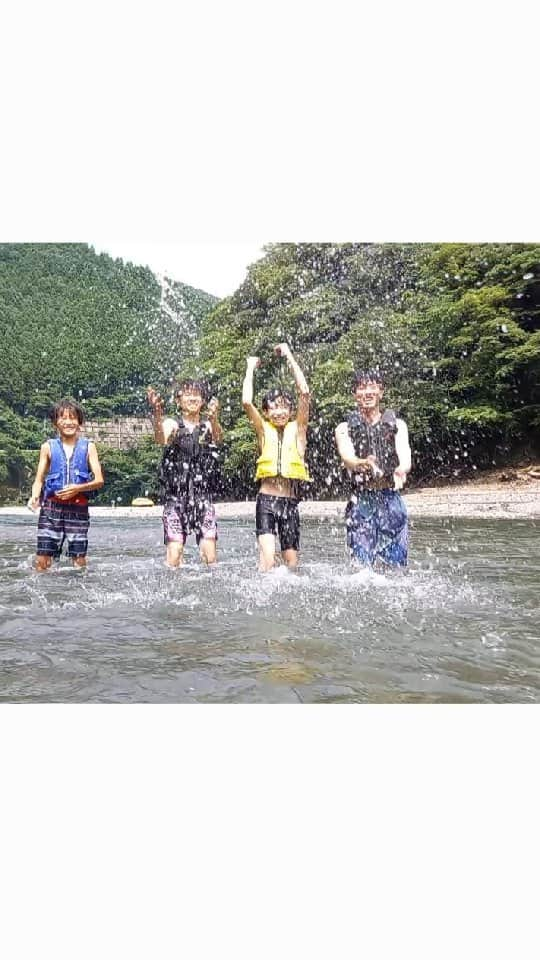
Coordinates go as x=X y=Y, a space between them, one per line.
x=461 y=626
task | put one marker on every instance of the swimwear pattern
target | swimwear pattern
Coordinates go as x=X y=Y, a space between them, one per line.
x=377 y=527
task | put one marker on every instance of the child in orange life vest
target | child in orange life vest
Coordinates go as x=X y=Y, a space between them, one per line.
x=280 y=467
x=68 y=470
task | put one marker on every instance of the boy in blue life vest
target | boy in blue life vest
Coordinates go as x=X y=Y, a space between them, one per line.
x=281 y=466
x=374 y=447
x=189 y=472
x=68 y=471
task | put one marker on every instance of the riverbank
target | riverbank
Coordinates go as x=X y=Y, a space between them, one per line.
x=475 y=500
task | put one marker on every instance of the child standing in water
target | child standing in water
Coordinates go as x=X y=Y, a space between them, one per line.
x=281 y=465
x=68 y=470
x=188 y=470
x=374 y=447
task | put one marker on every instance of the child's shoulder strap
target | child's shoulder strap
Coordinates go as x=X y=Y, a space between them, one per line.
x=389 y=416
x=354 y=419
x=83 y=443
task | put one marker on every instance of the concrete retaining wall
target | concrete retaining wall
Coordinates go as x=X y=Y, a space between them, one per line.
x=119 y=432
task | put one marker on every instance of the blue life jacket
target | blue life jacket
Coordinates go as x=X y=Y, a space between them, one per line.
x=63 y=471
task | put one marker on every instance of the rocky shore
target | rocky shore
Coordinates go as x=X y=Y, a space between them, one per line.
x=496 y=499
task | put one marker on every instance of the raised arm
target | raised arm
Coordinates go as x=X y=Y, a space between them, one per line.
x=41 y=473
x=302 y=417
x=247 y=397
x=213 y=411
x=156 y=404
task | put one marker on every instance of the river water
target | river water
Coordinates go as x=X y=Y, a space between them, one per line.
x=462 y=625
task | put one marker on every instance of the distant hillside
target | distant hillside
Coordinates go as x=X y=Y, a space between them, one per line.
x=89 y=326
x=80 y=324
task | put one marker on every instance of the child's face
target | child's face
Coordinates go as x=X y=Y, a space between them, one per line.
x=67 y=423
x=368 y=394
x=279 y=412
x=190 y=401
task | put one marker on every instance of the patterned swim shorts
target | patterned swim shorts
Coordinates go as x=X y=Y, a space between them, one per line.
x=59 y=522
x=179 y=522
x=377 y=527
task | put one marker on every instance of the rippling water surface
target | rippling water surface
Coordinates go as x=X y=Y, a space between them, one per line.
x=462 y=625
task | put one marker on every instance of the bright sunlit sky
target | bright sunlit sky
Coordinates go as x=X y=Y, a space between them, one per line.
x=217 y=268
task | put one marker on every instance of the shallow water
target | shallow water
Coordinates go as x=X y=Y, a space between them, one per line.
x=462 y=625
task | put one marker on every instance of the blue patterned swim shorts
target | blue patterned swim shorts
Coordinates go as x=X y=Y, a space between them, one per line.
x=377 y=527
x=62 y=522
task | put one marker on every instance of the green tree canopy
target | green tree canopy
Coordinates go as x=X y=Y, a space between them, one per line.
x=455 y=328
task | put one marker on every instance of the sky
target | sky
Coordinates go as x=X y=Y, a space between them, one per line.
x=217 y=268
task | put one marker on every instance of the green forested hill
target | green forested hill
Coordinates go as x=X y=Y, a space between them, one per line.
x=87 y=325
x=84 y=325
x=455 y=328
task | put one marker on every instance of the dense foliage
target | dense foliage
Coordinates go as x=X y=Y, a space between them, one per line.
x=129 y=473
x=455 y=328
x=84 y=325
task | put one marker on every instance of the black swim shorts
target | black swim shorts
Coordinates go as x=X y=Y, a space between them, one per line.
x=280 y=512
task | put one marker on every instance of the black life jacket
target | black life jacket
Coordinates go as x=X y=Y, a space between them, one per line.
x=375 y=439
x=190 y=467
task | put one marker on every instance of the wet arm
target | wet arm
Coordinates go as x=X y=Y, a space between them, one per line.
x=159 y=435
x=403 y=451
x=217 y=430
x=247 y=397
x=156 y=404
x=41 y=473
x=302 y=387
x=346 y=451
x=95 y=466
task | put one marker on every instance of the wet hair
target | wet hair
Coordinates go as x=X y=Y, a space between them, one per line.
x=274 y=394
x=367 y=376
x=200 y=385
x=69 y=405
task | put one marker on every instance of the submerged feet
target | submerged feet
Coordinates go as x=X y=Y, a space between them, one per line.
x=175 y=554
x=43 y=563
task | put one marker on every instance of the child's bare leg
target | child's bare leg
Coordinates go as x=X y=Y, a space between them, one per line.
x=79 y=562
x=42 y=562
x=175 y=554
x=208 y=551
x=290 y=558
x=267 y=551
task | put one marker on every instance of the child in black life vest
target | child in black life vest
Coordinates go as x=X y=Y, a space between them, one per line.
x=187 y=469
x=374 y=447
x=281 y=466
x=68 y=471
